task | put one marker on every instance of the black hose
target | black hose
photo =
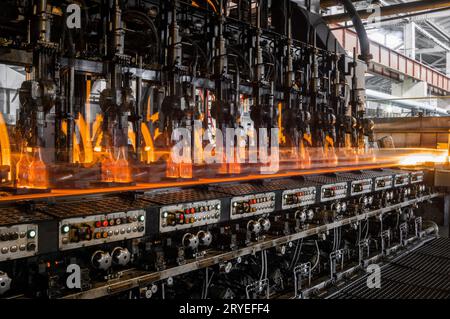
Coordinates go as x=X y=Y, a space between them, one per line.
x=145 y=19
x=360 y=30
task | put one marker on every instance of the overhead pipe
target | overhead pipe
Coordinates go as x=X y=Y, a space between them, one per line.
x=389 y=10
x=364 y=41
x=407 y=104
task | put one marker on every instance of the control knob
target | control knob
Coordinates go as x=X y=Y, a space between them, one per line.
x=204 y=237
x=190 y=241
x=101 y=260
x=301 y=215
x=5 y=282
x=121 y=256
x=310 y=214
x=254 y=227
x=265 y=224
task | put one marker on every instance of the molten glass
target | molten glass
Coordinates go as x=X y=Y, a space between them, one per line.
x=22 y=170
x=107 y=165
x=172 y=168
x=305 y=156
x=121 y=169
x=185 y=170
x=332 y=158
x=235 y=168
x=38 y=176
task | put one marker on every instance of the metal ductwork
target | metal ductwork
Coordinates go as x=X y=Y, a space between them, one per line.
x=407 y=104
x=391 y=10
x=360 y=30
x=331 y=3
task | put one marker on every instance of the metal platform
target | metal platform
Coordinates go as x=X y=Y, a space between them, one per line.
x=94 y=206
x=248 y=188
x=422 y=274
x=170 y=197
x=18 y=215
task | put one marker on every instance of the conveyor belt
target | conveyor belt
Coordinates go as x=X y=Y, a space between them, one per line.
x=421 y=274
x=88 y=207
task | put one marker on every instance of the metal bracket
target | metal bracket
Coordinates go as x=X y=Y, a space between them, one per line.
x=300 y=272
x=257 y=288
x=403 y=229
x=363 y=246
x=385 y=241
x=335 y=257
x=418 y=227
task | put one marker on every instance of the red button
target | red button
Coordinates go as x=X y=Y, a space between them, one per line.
x=192 y=210
x=105 y=223
x=98 y=224
x=187 y=211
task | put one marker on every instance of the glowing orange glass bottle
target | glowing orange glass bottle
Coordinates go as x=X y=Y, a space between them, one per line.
x=22 y=169
x=107 y=165
x=38 y=176
x=122 y=170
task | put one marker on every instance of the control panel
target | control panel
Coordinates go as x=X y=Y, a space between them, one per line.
x=251 y=205
x=98 y=229
x=401 y=179
x=333 y=192
x=189 y=215
x=383 y=182
x=18 y=241
x=416 y=177
x=359 y=187
x=299 y=197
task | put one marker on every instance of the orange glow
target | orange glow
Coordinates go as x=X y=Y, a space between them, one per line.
x=172 y=169
x=149 y=186
x=185 y=170
x=330 y=152
x=308 y=138
x=97 y=133
x=38 y=175
x=115 y=170
x=5 y=145
x=281 y=138
x=121 y=169
x=88 y=106
x=87 y=155
x=149 y=149
x=22 y=169
x=76 y=152
x=132 y=137
x=235 y=168
x=64 y=127
x=422 y=158
x=107 y=165
x=154 y=117
x=304 y=157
